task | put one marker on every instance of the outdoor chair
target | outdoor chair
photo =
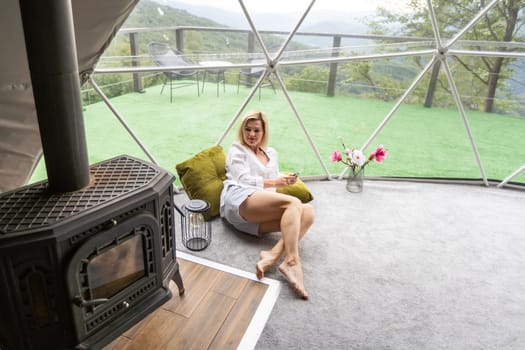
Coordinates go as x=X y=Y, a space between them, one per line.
x=249 y=76
x=165 y=56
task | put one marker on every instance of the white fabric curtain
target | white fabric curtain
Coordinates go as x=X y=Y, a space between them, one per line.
x=96 y=23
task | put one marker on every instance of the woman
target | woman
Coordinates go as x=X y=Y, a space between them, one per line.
x=250 y=203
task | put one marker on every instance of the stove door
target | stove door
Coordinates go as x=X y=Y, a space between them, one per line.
x=114 y=272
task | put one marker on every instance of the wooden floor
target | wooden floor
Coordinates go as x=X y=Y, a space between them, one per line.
x=214 y=313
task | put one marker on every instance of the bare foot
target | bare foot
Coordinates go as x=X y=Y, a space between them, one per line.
x=267 y=260
x=293 y=273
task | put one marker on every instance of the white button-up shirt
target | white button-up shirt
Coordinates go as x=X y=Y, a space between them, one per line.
x=245 y=169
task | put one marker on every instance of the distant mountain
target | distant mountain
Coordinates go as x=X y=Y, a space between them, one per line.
x=148 y=13
x=316 y=21
x=343 y=22
x=341 y=26
x=216 y=14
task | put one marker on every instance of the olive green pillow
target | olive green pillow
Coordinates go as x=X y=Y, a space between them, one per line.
x=202 y=176
x=299 y=190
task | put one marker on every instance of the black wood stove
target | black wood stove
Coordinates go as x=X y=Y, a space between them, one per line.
x=78 y=269
x=91 y=251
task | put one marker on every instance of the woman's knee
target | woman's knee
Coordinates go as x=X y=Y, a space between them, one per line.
x=308 y=213
x=294 y=203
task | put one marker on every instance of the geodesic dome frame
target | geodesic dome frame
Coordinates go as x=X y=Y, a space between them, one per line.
x=18 y=122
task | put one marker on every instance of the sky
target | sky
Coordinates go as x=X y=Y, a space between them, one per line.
x=301 y=5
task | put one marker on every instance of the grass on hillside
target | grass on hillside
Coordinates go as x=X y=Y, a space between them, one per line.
x=422 y=142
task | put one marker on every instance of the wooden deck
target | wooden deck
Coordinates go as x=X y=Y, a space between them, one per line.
x=214 y=313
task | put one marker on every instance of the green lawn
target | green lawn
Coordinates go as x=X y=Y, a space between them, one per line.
x=422 y=142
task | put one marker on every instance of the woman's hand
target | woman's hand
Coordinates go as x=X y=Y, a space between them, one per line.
x=283 y=181
x=287 y=180
x=292 y=178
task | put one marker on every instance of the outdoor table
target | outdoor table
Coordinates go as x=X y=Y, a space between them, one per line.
x=219 y=72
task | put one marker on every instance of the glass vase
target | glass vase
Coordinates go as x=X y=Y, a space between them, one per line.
x=354 y=182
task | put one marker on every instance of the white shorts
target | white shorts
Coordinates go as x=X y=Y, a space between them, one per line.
x=232 y=196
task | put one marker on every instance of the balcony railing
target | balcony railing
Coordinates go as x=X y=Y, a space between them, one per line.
x=334 y=55
x=179 y=32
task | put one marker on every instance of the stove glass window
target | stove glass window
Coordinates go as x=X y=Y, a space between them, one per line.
x=116 y=268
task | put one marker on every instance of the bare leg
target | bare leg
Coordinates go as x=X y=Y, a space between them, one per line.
x=268 y=258
x=266 y=207
x=291 y=269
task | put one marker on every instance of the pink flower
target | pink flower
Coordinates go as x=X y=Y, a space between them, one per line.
x=357 y=157
x=379 y=154
x=336 y=156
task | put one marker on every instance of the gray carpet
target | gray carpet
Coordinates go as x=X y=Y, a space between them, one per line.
x=399 y=266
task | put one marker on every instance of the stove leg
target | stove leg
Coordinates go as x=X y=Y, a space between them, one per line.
x=177 y=278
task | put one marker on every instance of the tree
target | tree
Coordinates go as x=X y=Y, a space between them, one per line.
x=503 y=23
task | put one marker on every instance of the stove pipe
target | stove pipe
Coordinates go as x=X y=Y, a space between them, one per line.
x=52 y=57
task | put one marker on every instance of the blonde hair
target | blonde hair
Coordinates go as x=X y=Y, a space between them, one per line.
x=254 y=115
